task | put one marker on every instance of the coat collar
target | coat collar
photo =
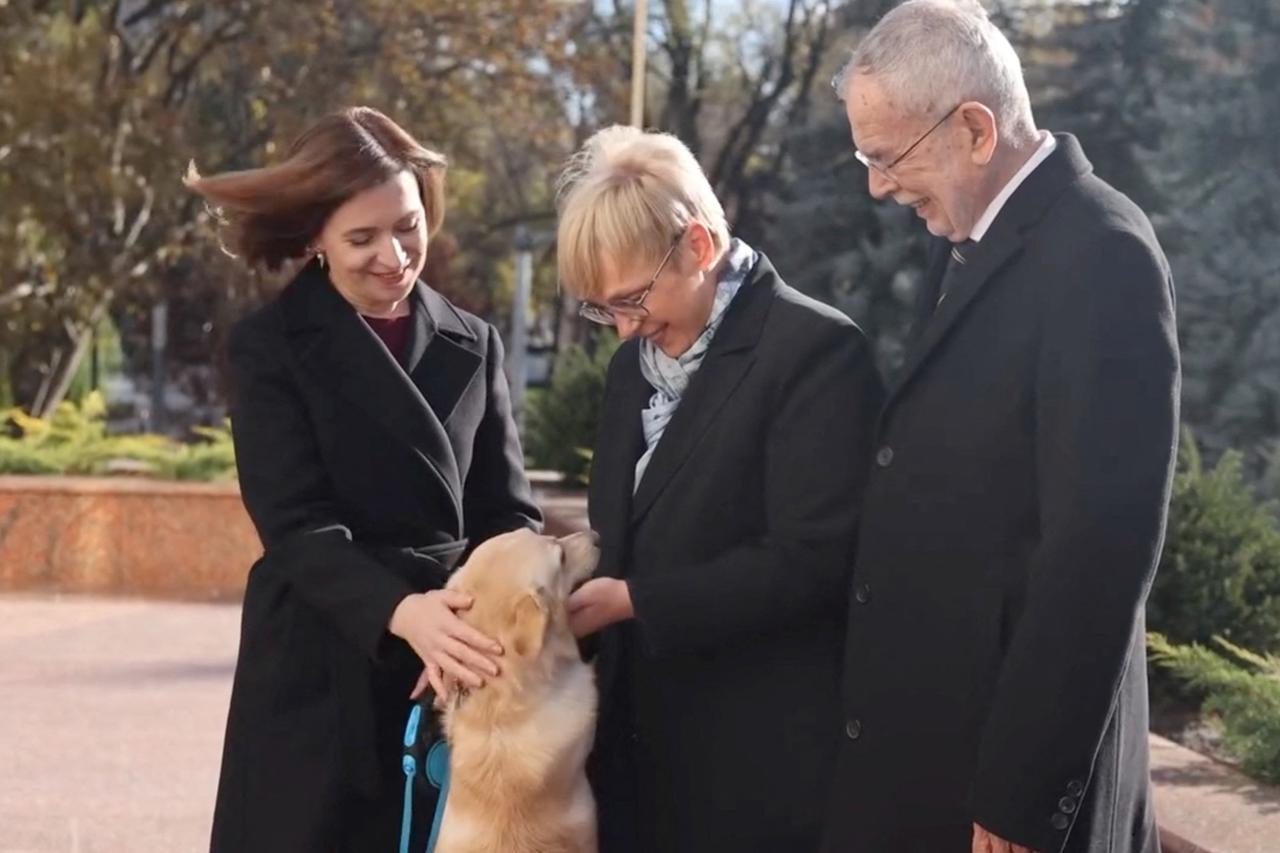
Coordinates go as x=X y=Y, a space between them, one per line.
x=1004 y=241
x=310 y=301
x=442 y=354
x=414 y=400
x=613 y=468
x=727 y=362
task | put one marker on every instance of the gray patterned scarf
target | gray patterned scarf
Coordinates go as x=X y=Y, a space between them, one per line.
x=670 y=376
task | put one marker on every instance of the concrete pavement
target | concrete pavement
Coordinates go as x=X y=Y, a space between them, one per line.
x=1205 y=805
x=111 y=721
x=112 y=713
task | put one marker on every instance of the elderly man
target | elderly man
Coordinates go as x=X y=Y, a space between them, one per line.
x=994 y=683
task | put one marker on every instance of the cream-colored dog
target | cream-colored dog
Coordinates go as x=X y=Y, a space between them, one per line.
x=519 y=745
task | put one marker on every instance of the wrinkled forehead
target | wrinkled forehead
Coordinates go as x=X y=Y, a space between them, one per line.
x=877 y=120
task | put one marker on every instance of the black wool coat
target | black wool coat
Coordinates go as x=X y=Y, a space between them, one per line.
x=995 y=668
x=367 y=480
x=720 y=702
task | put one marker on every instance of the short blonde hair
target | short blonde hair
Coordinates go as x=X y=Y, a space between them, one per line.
x=624 y=196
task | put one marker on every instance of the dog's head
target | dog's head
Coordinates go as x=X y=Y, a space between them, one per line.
x=520 y=582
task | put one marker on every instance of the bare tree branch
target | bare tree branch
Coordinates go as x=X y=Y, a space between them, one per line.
x=149 y=9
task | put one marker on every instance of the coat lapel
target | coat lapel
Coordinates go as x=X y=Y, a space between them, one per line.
x=339 y=349
x=613 y=468
x=727 y=362
x=442 y=354
x=984 y=260
x=1001 y=244
x=927 y=300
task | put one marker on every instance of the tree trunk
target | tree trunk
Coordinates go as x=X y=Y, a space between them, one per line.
x=66 y=370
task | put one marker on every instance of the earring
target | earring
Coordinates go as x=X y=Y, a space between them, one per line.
x=319 y=256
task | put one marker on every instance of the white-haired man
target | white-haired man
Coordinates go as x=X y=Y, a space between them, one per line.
x=995 y=684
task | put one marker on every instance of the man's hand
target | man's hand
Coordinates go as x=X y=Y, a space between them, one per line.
x=985 y=842
x=597 y=604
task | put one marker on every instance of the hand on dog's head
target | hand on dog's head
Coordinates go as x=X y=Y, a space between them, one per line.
x=520 y=582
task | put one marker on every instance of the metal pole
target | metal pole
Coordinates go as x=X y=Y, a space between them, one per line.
x=639 y=40
x=94 y=364
x=517 y=354
x=159 y=340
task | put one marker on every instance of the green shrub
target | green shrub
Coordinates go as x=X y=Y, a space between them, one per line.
x=1220 y=571
x=19 y=458
x=561 y=422
x=74 y=441
x=1243 y=697
x=212 y=459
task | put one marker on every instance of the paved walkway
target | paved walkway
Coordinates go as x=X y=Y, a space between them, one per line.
x=111 y=721
x=112 y=713
x=1212 y=806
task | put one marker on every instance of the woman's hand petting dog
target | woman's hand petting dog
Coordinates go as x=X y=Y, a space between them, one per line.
x=450 y=649
x=597 y=604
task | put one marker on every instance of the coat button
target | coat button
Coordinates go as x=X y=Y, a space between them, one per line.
x=853 y=729
x=1067 y=805
x=1060 y=821
x=1075 y=788
x=884 y=456
x=862 y=594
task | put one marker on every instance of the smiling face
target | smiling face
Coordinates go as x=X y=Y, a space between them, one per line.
x=678 y=304
x=943 y=179
x=375 y=245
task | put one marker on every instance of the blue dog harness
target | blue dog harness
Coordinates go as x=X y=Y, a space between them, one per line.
x=426 y=757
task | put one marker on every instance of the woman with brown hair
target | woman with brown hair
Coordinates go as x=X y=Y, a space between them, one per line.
x=375 y=446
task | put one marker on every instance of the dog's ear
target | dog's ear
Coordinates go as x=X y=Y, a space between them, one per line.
x=529 y=625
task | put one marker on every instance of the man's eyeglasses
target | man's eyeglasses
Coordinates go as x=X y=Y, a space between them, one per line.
x=627 y=306
x=885 y=169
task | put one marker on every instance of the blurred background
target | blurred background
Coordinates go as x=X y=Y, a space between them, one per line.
x=115 y=297
x=112 y=277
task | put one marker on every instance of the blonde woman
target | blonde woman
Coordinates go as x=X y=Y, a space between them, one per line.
x=375 y=445
x=725 y=487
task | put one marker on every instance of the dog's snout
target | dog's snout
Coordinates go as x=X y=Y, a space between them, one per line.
x=581 y=554
x=582 y=537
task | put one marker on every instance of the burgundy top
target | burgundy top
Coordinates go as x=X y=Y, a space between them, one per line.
x=394 y=332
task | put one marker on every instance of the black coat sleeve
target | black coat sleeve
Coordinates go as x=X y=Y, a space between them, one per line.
x=496 y=497
x=290 y=500
x=1106 y=426
x=815 y=464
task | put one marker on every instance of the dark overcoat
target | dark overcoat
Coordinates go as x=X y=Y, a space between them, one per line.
x=366 y=478
x=996 y=667
x=720 y=701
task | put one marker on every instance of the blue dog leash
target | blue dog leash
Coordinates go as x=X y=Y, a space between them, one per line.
x=429 y=756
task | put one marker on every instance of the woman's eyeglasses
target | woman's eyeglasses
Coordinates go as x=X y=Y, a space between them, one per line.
x=632 y=306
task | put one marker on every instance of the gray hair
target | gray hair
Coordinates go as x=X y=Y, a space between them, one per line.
x=931 y=55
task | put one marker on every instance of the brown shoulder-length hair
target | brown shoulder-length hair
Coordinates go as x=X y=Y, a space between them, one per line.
x=275 y=212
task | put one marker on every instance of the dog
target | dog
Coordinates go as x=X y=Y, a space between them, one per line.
x=519 y=745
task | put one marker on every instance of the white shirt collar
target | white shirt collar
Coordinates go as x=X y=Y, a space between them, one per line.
x=1047 y=144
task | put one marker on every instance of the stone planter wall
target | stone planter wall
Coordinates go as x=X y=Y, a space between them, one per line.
x=119 y=536
x=151 y=539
